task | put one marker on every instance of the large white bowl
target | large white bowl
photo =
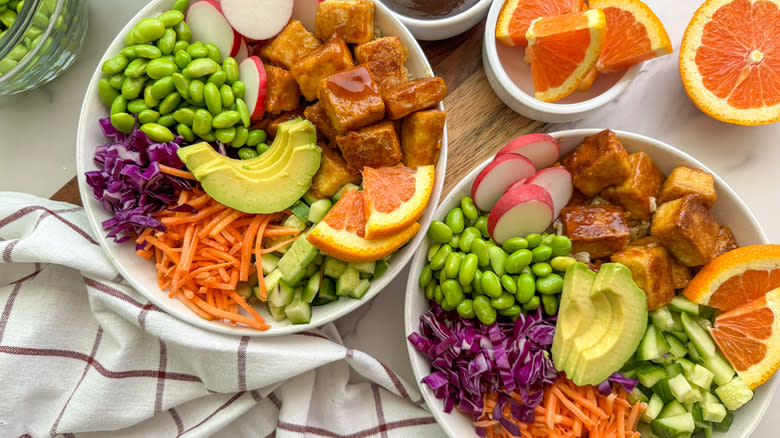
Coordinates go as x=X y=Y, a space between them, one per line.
x=729 y=210
x=140 y=273
x=446 y=27
x=512 y=82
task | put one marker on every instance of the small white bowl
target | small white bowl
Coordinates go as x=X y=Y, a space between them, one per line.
x=442 y=28
x=511 y=80
x=729 y=210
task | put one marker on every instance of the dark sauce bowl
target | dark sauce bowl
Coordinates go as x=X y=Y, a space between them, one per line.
x=438 y=19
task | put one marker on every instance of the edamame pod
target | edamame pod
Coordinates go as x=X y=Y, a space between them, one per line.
x=180 y=5
x=508 y=283
x=225 y=119
x=439 y=232
x=432 y=250
x=149 y=99
x=228 y=100
x=438 y=295
x=511 y=311
x=136 y=68
x=550 y=304
x=256 y=136
x=184 y=116
x=468 y=268
x=114 y=65
x=241 y=107
x=119 y=105
x=213 y=52
x=466 y=309
x=166 y=120
x=515 y=243
x=123 y=122
x=453 y=293
x=541 y=253
x=230 y=66
x=161 y=67
x=426 y=276
x=534 y=239
x=132 y=87
x=171 y=17
x=116 y=81
x=149 y=29
x=480 y=248
x=181 y=45
x=148 y=116
x=196 y=91
x=467 y=238
x=481 y=225
x=168 y=105
x=201 y=66
x=147 y=51
x=429 y=290
x=549 y=285
x=437 y=262
x=135 y=106
x=532 y=304
x=218 y=78
x=181 y=83
x=182 y=58
x=247 y=153
x=162 y=87
x=452 y=264
x=504 y=301
x=541 y=269
x=167 y=42
x=526 y=287
x=183 y=32
x=238 y=89
x=561 y=246
x=185 y=132
x=517 y=261
x=201 y=123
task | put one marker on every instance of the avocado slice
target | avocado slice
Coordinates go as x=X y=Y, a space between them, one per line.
x=268 y=183
x=576 y=311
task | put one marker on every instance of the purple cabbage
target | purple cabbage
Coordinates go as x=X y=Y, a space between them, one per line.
x=627 y=383
x=469 y=360
x=129 y=182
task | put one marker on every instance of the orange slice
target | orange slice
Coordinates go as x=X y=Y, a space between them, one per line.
x=341 y=233
x=730 y=59
x=634 y=34
x=562 y=50
x=749 y=338
x=737 y=277
x=588 y=80
x=516 y=15
x=395 y=198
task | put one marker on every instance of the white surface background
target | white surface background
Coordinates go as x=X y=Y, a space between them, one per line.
x=38 y=133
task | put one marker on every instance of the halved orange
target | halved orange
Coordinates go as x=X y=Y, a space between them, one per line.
x=517 y=15
x=634 y=34
x=737 y=277
x=562 y=50
x=730 y=60
x=749 y=338
x=395 y=198
x=341 y=233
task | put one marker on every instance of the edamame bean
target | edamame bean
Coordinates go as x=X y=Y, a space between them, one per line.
x=136 y=68
x=184 y=116
x=256 y=136
x=491 y=285
x=106 y=91
x=432 y=250
x=201 y=123
x=181 y=5
x=483 y=310
x=197 y=50
x=470 y=211
x=132 y=87
x=195 y=91
x=213 y=100
x=429 y=290
x=550 y=304
x=453 y=293
x=454 y=241
x=218 y=78
x=445 y=305
x=238 y=89
x=135 y=106
x=167 y=120
x=149 y=99
x=182 y=58
x=549 y=285
x=181 y=45
x=513 y=244
x=149 y=29
x=541 y=269
x=185 y=132
x=508 y=283
x=477 y=283
x=230 y=66
x=213 y=52
x=426 y=276
x=480 y=248
x=561 y=246
x=148 y=116
x=171 y=17
x=541 y=253
x=147 y=51
x=439 y=232
x=526 y=287
x=129 y=52
x=455 y=221
x=534 y=239
x=114 y=65
x=466 y=309
x=467 y=238
x=183 y=32
x=181 y=83
x=247 y=153
x=119 y=105
x=560 y=263
x=452 y=264
x=547 y=238
x=532 y=304
x=18 y=52
x=438 y=295
x=167 y=42
x=123 y=122
x=161 y=67
x=504 y=301
x=116 y=81
x=228 y=100
x=481 y=225
x=225 y=119
x=511 y=311
x=261 y=148
x=168 y=105
x=210 y=137
x=201 y=67
x=437 y=262
x=497 y=259
x=517 y=261
x=226 y=135
x=241 y=107
x=241 y=136
x=468 y=267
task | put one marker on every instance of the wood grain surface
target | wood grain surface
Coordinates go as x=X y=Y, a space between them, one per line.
x=478 y=123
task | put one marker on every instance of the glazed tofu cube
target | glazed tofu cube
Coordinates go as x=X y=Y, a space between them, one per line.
x=645 y=241
x=316 y=114
x=351 y=99
x=637 y=194
x=421 y=135
x=330 y=57
x=415 y=95
x=351 y=20
x=282 y=92
x=726 y=241
x=600 y=230
x=686 y=181
x=651 y=270
x=687 y=230
x=332 y=175
x=681 y=275
x=372 y=146
x=293 y=43
x=600 y=161
x=385 y=58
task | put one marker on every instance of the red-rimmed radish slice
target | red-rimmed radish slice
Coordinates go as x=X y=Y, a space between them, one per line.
x=540 y=148
x=252 y=73
x=525 y=209
x=243 y=51
x=258 y=19
x=557 y=182
x=497 y=176
x=209 y=25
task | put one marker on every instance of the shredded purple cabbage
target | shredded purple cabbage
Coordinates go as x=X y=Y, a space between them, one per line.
x=469 y=360
x=129 y=182
x=628 y=384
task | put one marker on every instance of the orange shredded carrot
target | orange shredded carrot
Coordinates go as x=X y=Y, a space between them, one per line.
x=176 y=172
x=277 y=246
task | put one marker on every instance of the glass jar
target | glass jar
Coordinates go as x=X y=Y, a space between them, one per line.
x=40 y=40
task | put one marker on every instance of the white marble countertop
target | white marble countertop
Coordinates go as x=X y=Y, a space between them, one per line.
x=39 y=132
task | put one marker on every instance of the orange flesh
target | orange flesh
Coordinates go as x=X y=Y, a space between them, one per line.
x=529 y=10
x=555 y=54
x=740 y=334
x=389 y=187
x=625 y=41
x=724 y=57
x=348 y=214
x=744 y=288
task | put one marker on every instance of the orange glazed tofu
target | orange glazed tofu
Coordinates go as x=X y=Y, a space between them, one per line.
x=385 y=58
x=332 y=175
x=316 y=114
x=282 y=93
x=600 y=230
x=600 y=161
x=726 y=241
x=372 y=146
x=415 y=95
x=637 y=194
x=329 y=58
x=686 y=181
x=293 y=43
x=351 y=99
x=421 y=135
x=651 y=270
x=681 y=275
x=352 y=20
x=687 y=230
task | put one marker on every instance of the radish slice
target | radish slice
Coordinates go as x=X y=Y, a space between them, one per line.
x=209 y=25
x=258 y=19
x=524 y=209
x=243 y=51
x=541 y=149
x=557 y=182
x=252 y=73
x=497 y=176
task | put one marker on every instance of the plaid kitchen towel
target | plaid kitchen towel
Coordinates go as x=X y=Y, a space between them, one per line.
x=83 y=355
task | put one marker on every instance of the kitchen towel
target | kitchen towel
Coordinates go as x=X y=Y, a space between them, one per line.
x=82 y=354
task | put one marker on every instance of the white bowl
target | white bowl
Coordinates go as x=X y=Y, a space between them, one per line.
x=511 y=80
x=729 y=210
x=442 y=28
x=140 y=273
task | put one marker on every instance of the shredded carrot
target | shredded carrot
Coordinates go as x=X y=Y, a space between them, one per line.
x=176 y=172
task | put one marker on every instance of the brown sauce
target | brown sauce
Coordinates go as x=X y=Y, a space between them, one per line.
x=352 y=84
x=429 y=9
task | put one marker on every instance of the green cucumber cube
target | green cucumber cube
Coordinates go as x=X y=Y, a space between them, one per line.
x=636 y=395
x=674 y=369
x=271 y=282
x=293 y=221
x=673 y=427
x=327 y=292
x=714 y=412
x=294 y=263
x=381 y=267
x=276 y=312
x=683 y=391
x=649 y=374
x=662 y=318
x=720 y=367
x=282 y=294
x=346 y=188
x=309 y=198
x=347 y=282
x=653 y=344
x=300 y=209
x=700 y=376
x=724 y=425
x=683 y=305
x=333 y=267
x=654 y=407
x=734 y=394
x=686 y=364
x=676 y=348
x=672 y=409
x=319 y=209
x=365 y=267
x=298 y=311
x=269 y=262
x=244 y=289
x=360 y=289
x=680 y=335
x=662 y=389
x=311 y=289
x=700 y=338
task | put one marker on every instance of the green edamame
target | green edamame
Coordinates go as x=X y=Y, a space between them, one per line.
x=180 y=5
x=533 y=239
x=195 y=91
x=438 y=260
x=497 y=259
x=261 y=148
x=455 y=240
x=228 y=99
x=526 y=287
x=504 y=301
x=225 y=119
x=541 y=269
x=439 y=232
x=147 y=51
x=256 y=136
x=560 y=263
x=182 y=58
x=115 y=65
x=467 y=238
x=517 y=261
x=247 y=153
x=135 y=106
x=455 y=221
x=157 y=133
x=213 y=99
x=491 y=285
x=171 y=17
x=549 y=285
x=511 y=311
x=541 y=253
x=466 y=309
x=480 y=248
x=513 y=244
x=136 y=68
x=168 y=105
x=532 y=304
x=483 y=310
x=218 y=78
x=132 y=87
x=116 y=81
x=230 y=66
x=477 y=283
x=226 y=135
x=468 y=268
x=243 y=110
x=167 y=42
x=238 y=89
x=197 y=50
x=481 y=225
x=185 y=132
x=201 y=123
x=561 y=246
x=201 y=66
x=181 y=45
x=119 y=105
x=213 y=52
x=242 y=134
x=453 y=293
x=162 y=87
x=426 y=276
x=508 y=283
x=166 y=120
x=148 y=116
x=470 y=211
x=149 y=29
x=181 y=84
x=429 y=290
x=123 y=122
x=432 y=250
x=547 y=238
x=452 y=264
x=183 y=32
x=550 y=304
x=160 y=67
x=149 y=99
x=438 y=295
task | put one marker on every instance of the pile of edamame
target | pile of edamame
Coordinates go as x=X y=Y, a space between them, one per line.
x=9 y=10
x=165 y=80
x=471 y=274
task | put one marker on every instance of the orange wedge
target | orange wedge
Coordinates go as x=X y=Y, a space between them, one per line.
x=341 y=233
x=749 y=338
x=395 y=198
x=562 y=51
x=588 y=80
x=516 y=15
x=737 y=277
x=634 y=34
x=730 y=59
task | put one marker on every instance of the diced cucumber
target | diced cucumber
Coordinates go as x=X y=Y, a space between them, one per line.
x=662 y=389
x=284 y=248
x=680 y=335
x=381 y=267
x=653 y=344
x=724 y=425
x=294 y=263
x=700 y=376
x=674 y=369
x=333 y=267
x=300 y=209
x=360 y=289
x=698 y=417
x=662 y=318
x=269 y=262
x=298 y=311
x=676 y=348
x=636 y=395
x=311 y=289
x=293 y=221
x=714 y=412
x=347 y=282
x=700 y=338
x=318 y=210
x=683 y=391
x=276 y=312
x=654 y=407
x=346 y=188
x=244 y=289
x=682 y=304
x=282 y=294
x=650 y=374
x=686 y=365
x=309 y=198
x=693 y=353
x=705 y=428
x=365 y=267
x=673 y=427
x=327 y=292
x=271 y=282
x=312 y=269
x=645 y=431
x=672 y=409
x=734 y=394
x=720 y=367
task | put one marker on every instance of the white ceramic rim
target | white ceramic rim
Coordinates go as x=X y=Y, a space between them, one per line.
x=476 y=9
x=159 y=298
x=496 y=67
x=415 y=267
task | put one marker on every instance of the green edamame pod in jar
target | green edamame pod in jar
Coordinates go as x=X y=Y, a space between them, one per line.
x=483 y=310
x=466 y=309
x=439 y=232
x=455 y=220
